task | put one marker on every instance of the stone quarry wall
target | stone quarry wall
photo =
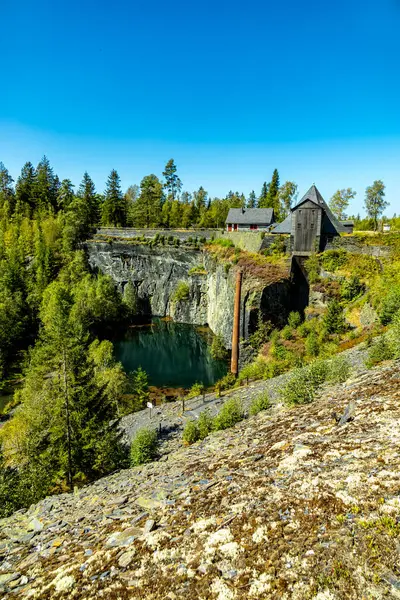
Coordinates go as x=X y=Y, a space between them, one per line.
x=181 y=234
x=358 y=246
x=156 y=273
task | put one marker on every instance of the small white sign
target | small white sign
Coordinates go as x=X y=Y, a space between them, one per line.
x=150 y=405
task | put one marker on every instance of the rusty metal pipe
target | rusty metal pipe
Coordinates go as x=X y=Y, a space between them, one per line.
x=236 y=325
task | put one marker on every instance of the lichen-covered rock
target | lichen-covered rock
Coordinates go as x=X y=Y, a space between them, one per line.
x=287 y=504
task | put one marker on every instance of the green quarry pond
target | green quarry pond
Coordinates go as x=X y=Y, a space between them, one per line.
x=172 y=354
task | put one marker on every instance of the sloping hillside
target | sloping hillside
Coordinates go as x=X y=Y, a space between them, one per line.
x=288 y=504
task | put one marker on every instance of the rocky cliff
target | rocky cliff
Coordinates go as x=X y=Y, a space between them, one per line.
x=208 y=289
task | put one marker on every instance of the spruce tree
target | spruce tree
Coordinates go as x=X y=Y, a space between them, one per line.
x=46 y=186
x=7 y=195
x=65 y=195
x=114 y=206
x=173 y=184
x=68 y=419
x=24 y=190
x=87 y=192
x=263 y=197
x=273 y=192
x=149 y=203
x=252 y=200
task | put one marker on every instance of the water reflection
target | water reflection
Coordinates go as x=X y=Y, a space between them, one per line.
x=172 y=354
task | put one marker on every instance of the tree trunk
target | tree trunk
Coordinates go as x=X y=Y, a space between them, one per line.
x=68 y=419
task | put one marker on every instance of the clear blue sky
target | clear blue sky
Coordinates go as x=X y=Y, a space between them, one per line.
x=230 y=90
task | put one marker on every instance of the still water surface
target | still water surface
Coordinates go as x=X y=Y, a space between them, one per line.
x=172 y=354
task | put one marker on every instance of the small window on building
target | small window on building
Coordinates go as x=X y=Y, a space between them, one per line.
x=311 y=225
x=298 y=225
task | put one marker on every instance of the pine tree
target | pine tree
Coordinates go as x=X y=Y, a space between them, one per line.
x=273 y=192
x=334 y=320
x=131 y=196
x=252 y=200
x=46 y=186
x=24 y=190
x=173 y=184
x=87 y=192
x=7 y=195
x=263 y=197
x=114 y=206
x=200 y=203
x=67 y=418
x=375 y=202
x=65 y=195
x=149 y=203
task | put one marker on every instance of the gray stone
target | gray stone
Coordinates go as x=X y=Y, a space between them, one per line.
x=6 y=578
x=126 y=558
x=149 y=525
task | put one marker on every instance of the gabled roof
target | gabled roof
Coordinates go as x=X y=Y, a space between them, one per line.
x=250 y=216
x=285 y=226
x=314 y=196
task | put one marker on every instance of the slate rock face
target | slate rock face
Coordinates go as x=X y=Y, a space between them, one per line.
x=156 y=272
x=286 y=504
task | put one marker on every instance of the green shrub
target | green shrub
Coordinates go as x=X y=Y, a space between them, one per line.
x=257 y=369
x=205 y=424
x=287 y=332
x=224 y=242
x=197 y=270
x=311 y=265
x=332 y=260
x=144 y=446
x=304 y=329
x=352 y=287
x=393 y=335
x=297 y=390
x=181 y=292
x=379 y=352
x=339 y=369
x=317 y=373
x=261 y=334
x=390 y=305
x=230 y=413
x=312 y=344
x=334 y=321
x=190 y=433
x=218 y=350
x=294 y=320
x=197 y=389
x=227 y=268
x=259 y=403
x=226 y=382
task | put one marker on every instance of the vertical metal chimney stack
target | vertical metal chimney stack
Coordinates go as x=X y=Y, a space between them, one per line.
x=236 y=325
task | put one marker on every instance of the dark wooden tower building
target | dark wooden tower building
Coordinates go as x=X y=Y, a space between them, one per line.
x=311 y=224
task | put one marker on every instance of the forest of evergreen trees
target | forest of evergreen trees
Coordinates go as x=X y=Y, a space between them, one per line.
x=155 y=203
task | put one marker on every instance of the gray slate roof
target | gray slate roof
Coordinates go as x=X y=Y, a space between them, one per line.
x=250 y=216
x=285 y=226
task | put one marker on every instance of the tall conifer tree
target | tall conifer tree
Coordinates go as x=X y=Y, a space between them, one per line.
x=173 y=184
x=24 y=190
x=114 y=206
